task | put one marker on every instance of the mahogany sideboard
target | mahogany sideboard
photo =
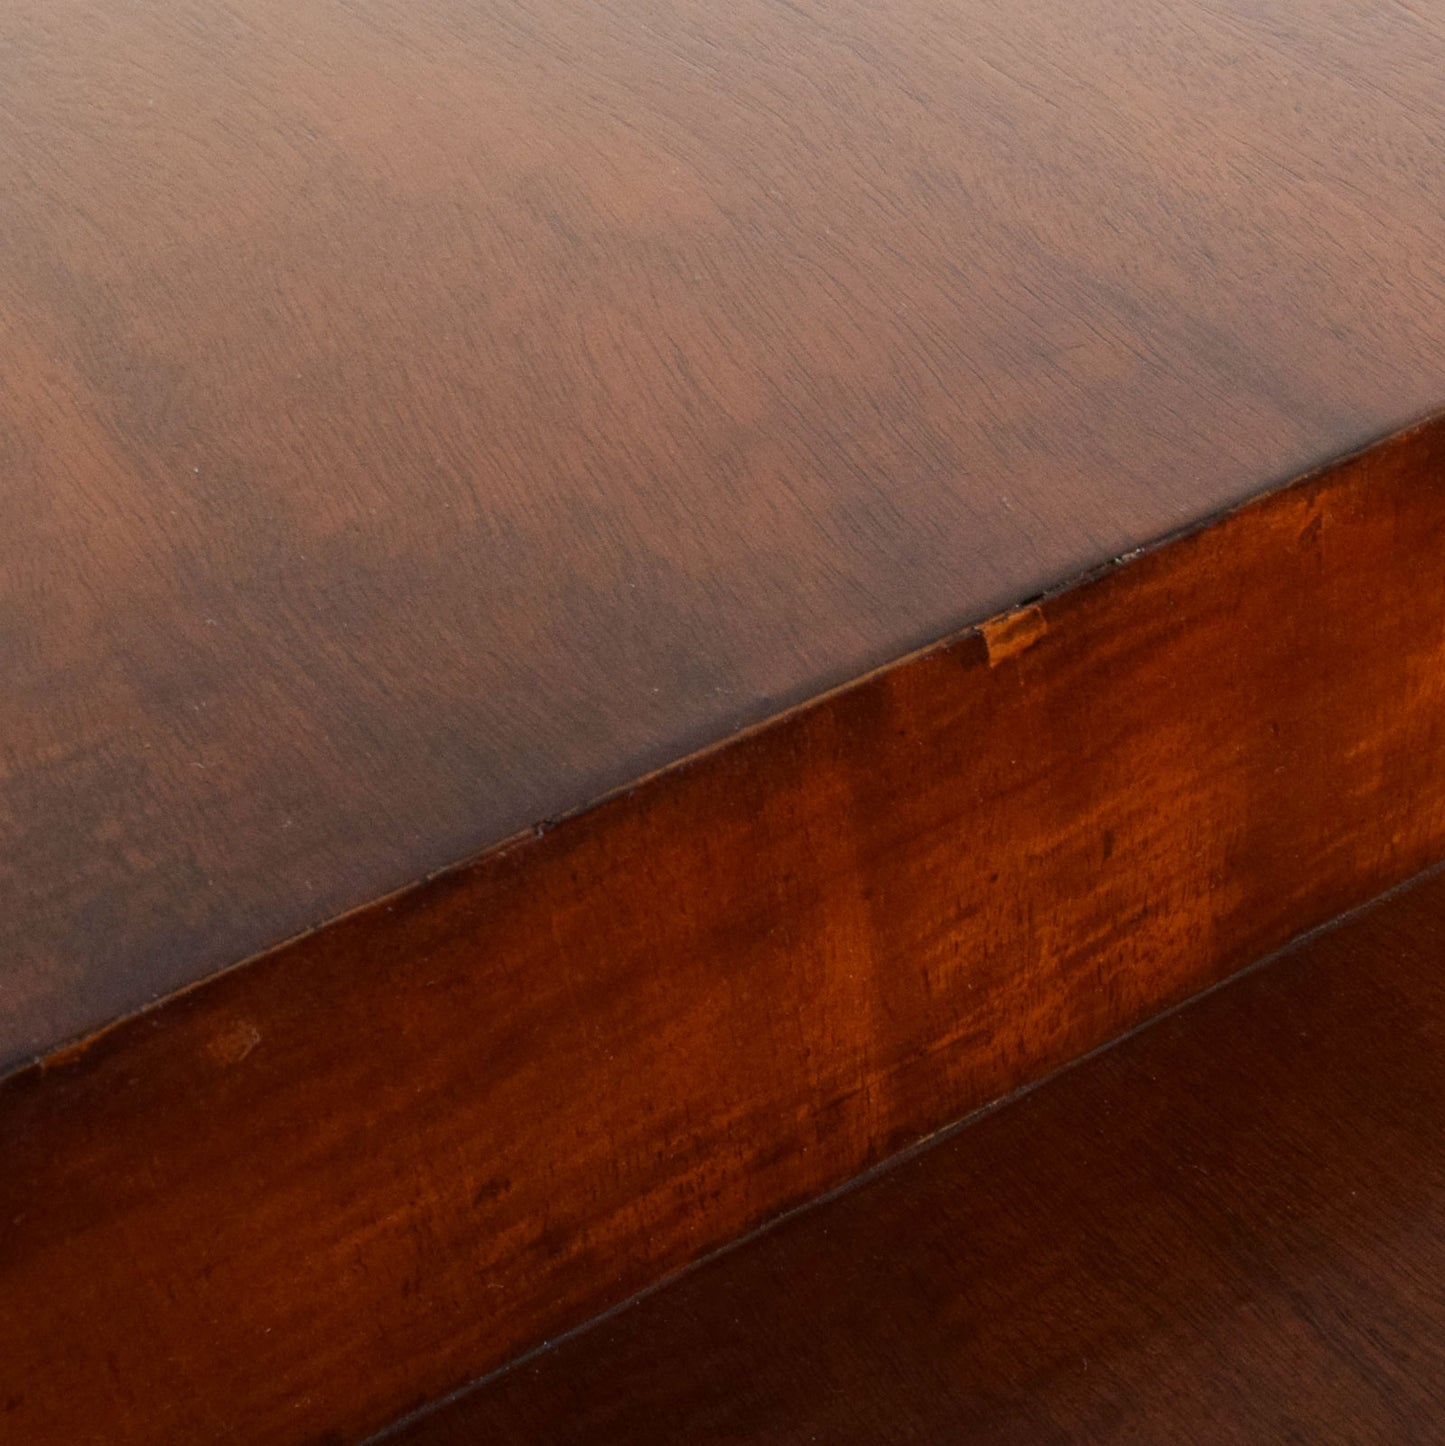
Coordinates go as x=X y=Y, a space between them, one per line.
x=612 y=612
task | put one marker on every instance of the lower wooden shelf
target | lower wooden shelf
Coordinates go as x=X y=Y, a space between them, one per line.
x=1228 y=1227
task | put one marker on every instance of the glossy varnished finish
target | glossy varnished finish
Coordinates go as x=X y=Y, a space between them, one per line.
x=1228 y=1229
x=336 y=1183
x=419 y=417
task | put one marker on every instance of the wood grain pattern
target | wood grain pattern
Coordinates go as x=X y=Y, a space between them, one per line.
x=1228 y=1229
x=324 y=1188
x=418 y=419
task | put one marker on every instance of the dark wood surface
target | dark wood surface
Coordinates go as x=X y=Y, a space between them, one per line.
x=1229 y=1228
x=418 y=419
x=320 y=1190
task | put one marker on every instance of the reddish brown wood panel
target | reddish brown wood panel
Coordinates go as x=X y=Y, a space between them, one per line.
x=341 y=1180
x=1228 y=1229
x=419 y=417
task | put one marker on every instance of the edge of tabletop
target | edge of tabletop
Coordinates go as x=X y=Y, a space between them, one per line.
x=1003 y=634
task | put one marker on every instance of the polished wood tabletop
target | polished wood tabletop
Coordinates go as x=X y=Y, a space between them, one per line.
x=420 y=419
x=739 y=581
